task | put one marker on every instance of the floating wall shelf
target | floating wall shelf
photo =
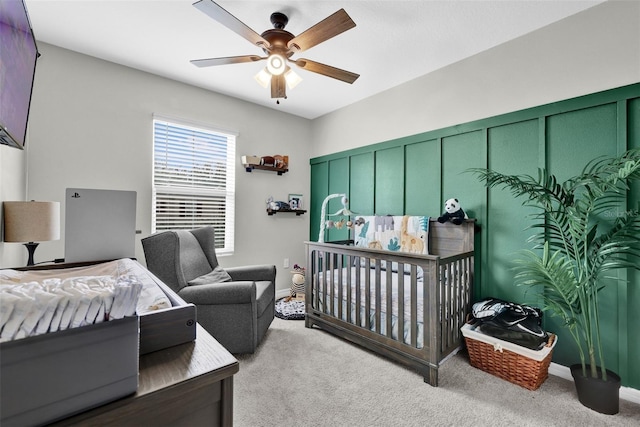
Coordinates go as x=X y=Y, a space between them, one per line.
x=298 y=212
x=250 y=168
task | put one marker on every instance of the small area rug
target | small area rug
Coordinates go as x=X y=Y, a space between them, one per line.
x=290 y=310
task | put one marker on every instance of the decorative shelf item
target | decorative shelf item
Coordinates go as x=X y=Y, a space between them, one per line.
x=298 y=212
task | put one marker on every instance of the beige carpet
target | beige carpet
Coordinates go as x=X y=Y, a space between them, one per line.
x=307 y=377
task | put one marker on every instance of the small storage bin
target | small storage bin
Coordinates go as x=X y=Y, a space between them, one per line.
x=159 y=329
x=516 y=364
x=52 y=376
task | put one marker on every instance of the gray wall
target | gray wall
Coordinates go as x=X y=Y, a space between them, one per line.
x=12 y=187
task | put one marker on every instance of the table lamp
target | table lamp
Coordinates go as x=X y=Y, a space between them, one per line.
x=31 y=222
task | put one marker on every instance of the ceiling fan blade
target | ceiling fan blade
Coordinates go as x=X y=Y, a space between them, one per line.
x=330 y=27
x=216 y=12
x=278 y=88
x=326 y=70
x=210 y=62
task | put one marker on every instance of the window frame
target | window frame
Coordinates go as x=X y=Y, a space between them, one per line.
x=227 y=192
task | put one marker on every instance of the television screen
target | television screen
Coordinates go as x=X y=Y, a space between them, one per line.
x=18 y=55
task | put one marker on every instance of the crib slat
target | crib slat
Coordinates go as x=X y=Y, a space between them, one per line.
x=332 y=281
x=339 y=268
x=327 y=282
x=349 y=306
x=414 y=310
x=378 y=306
x=455 y=319
x=321 y=286
x=449 y=288
x=358 y=293
x=447 y=316
x=367 y=294
x=312 y=284
x=389 y=302
x=401 y=302
x=319 y=276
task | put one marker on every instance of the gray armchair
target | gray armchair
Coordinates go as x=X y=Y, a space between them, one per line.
x=235 y=305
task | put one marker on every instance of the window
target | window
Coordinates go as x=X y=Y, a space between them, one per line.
x=194 y=179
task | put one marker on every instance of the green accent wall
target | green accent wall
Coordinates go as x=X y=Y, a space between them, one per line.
x=416 y=174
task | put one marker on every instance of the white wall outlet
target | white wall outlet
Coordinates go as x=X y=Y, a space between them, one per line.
x=286 y=263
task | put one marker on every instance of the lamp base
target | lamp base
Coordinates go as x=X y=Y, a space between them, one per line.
x=31 y=248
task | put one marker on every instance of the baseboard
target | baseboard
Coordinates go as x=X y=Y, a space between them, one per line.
x=626 y=393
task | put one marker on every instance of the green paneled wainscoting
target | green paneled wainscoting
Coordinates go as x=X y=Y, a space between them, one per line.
x=414 y=175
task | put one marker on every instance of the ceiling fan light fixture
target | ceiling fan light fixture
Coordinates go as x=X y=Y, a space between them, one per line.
x=280 y=45
x=263 y=78
x=276 y=64
x=292 y=78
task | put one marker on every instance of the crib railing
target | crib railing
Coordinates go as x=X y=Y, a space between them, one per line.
x=351 y=289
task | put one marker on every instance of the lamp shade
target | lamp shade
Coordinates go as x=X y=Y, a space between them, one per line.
x=292 y=78
x=31 y=221
x=263 y=78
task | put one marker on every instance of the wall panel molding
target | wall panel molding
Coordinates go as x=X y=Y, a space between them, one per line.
x=415 y=174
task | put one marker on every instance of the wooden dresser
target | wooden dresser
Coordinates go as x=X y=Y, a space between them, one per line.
x=185 y=385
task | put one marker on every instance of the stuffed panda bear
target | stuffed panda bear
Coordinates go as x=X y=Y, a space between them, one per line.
x=453 y=212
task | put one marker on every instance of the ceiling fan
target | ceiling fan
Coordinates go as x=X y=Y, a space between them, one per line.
x=280 y=46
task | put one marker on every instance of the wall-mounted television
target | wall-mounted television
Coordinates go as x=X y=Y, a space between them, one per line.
x=18 y=56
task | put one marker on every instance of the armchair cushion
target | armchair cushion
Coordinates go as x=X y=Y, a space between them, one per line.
x=220 y=293
x=253 y=272
x=218 y=275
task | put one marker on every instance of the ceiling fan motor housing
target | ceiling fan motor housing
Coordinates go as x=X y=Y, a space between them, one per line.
x=278 y=37
x=279 y=20
x=278 y=40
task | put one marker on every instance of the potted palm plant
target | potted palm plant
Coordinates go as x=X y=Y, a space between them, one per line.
x=581 y=235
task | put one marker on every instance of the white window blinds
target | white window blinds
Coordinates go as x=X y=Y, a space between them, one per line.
x=194 y=179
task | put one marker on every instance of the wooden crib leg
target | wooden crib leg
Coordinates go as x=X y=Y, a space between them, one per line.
x=431 y=377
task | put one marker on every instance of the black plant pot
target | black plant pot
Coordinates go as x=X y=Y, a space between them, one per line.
x=601 y=396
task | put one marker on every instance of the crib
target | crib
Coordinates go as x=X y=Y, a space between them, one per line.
x=404 y=306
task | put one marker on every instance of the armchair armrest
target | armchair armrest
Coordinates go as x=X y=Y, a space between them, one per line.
x=253 y=272
x=220 y=293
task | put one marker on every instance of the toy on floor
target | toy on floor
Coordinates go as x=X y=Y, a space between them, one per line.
x=297 y=283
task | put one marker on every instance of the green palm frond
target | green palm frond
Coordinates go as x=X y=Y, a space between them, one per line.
x=609 y=172
x=555 y=276
x=619 y=247
x=545 y=190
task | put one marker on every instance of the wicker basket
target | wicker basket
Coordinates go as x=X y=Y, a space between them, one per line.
x=516 y=364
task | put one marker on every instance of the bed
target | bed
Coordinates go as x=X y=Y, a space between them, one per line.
x=408 y=306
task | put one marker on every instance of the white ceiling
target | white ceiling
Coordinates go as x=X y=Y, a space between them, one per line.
x=393 y=42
